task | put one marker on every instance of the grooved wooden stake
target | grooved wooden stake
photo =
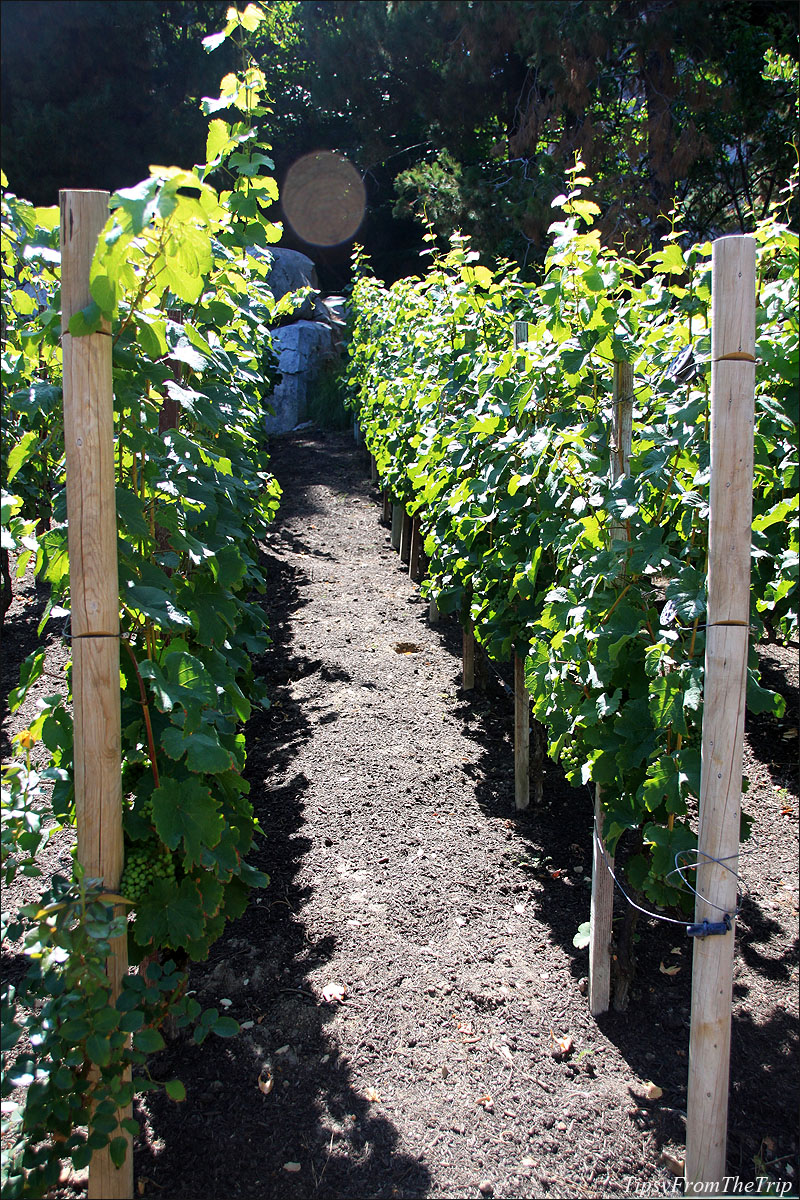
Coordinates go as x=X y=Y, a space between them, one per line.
x=522 y=726
x=415 y=550
x=729 y=538
x=602 y=907
x=405 y=537
x=468 y=657
x=397 y=525
x=522 y=699
x=94 y=592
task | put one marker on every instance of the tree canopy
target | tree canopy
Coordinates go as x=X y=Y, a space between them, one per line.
x=457 y=113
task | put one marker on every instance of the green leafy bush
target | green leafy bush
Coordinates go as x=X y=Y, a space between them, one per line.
x=190 y=312
x=506 y=455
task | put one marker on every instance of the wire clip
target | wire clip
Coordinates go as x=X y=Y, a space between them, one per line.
x=705 y=928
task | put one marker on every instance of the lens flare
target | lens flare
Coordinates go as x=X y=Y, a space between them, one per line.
x=323 y=198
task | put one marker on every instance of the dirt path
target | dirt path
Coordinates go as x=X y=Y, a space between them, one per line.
x=400 y=874
x=403 y=881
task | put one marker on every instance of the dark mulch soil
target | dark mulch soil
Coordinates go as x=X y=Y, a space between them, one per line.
x=401 y=874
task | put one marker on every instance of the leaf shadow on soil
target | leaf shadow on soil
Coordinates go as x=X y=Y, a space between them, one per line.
x=653 y=1034
x=272 y=1113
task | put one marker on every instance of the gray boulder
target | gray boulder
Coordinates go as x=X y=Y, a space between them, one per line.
x=290 y=271
x=301 y=348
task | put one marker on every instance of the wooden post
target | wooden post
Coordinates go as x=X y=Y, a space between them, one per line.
x=522 y=699
x=522 y=725
x=468 y=656
x=415 y=550
x=386 y=512
x=405 y=537
x=373 y=469
x=397 y=525
x=94 y=595
x=729 y=538
x=602 y=906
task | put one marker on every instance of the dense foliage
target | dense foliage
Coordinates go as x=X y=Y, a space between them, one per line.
x=190 y=312
x=464 y=114
x=506 y=455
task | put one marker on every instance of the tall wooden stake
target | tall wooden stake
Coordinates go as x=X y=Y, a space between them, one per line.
x=602 y=907
x=522 y=699
x=405 y=538
x=522 y=726
x=397 y=525
x=94 y=592
x=415 y=552
x=468 y=656
x=729 y=538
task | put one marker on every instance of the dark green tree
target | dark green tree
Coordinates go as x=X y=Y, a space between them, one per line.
x=93 y=93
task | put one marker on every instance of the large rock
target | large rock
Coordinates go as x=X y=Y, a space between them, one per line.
x=289 y=272
x=301 y=348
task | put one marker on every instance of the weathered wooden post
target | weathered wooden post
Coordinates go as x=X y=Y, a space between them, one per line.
x=468 y=656
x=602 y=907
x=397 y=525
x=729 y=540
x=415 y=552
x=522 y=726
x=522 y=699
x=405 y=537
x=94 y=595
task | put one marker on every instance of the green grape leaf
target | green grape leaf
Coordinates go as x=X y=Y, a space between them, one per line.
x=156 y=604
x=186 y=813
x=203 y=749
x=171 y=914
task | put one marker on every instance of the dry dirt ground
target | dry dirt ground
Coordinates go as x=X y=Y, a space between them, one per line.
x=404 y=979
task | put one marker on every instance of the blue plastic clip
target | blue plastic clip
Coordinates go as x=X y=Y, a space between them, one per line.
x=705 y=928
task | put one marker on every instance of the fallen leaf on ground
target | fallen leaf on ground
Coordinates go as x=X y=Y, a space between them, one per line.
x=669 y=970
x=486 y=1102
x=371 y=1094
x=334 y=993
x=265 y=1081
x=652 y=1091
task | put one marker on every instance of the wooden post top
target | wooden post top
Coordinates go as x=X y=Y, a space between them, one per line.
x=733 y=298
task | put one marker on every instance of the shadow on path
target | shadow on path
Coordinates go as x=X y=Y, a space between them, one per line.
x=273 y=1113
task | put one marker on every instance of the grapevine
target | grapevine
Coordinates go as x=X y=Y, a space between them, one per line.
x=504 y=453
x=190 y=311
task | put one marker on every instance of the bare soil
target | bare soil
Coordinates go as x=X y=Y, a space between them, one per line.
x=404 y=980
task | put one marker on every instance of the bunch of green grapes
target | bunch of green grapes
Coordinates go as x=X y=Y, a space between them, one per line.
x=143 y=867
